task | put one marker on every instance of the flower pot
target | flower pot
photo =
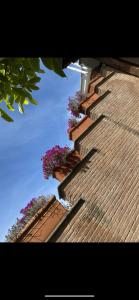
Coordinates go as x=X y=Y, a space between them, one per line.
x=88 y=102
x=43 y=224
x=73 y=159
x=80 y=128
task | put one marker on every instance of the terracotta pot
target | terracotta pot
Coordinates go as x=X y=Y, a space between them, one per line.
x=80 y=128
x=72 y=160
x=42 y=225
x=85 y=104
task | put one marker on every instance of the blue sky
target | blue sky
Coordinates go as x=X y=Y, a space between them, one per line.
x=23 y=142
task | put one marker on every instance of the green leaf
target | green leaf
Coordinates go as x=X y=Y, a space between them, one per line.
x=53 y=64
x=33 y=101
x=29 y=89
x=27 y=94
x=19 y=91
x=21 y=95
x=26 y=102
x=41 y=71
x=18 y=99
x=4 y=115
x=21 y=108
x=11 y=100
x=34 y=87
x=35 y=79
x=8 y=103
x=35 y=63
x=2 y=70
x=2 y=77
x=29 y=68
x=10 y=107
x=47 y=61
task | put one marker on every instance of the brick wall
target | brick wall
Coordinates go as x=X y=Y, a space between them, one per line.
x=121 y=104
x=109 y=183
x=108 y=179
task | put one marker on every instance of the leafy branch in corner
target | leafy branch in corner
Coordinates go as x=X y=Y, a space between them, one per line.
x=19 y=77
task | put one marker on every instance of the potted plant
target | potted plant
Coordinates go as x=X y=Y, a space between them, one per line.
x=74 y=104
x=79 y=127
x=77 y=105
x=72 y=123
x=59 y=161
x=88 y=102
x=27 y=213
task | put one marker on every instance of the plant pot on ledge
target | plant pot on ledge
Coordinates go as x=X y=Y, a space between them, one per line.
x=88 y=102
x=44 y=223
x=80 y=128
x=93 y=89
x=73 y=159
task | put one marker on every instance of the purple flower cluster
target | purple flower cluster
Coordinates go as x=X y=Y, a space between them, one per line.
x=29 y=205
x=32 y=207
x=72 y=122
x=73 y=104
x=54 y=158
x=73 y=107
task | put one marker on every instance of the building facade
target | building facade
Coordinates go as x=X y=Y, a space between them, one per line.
x=103 y=187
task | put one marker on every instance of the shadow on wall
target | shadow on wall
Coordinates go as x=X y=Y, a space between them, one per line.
x=67 y=220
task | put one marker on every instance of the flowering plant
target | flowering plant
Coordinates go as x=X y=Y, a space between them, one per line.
x=73 y=104
x=32 y=207
x=54 y=158
x=72 y=122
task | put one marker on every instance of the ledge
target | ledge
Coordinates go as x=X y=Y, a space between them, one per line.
x=89 y=95
x=65 y=221
x=74 y=171
x=35 y=218
x=95 y=103
x=96 y=122
x=103 y=81
x=119 y=64
x=77 y=126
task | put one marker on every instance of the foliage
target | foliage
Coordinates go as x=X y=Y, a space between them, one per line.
x=54 y=158
x=19 y=78
x=54 y=64
x=28 y=212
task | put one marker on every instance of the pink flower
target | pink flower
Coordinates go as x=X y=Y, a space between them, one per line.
x=53 y=158
x=27 y=212
x=74 y=104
